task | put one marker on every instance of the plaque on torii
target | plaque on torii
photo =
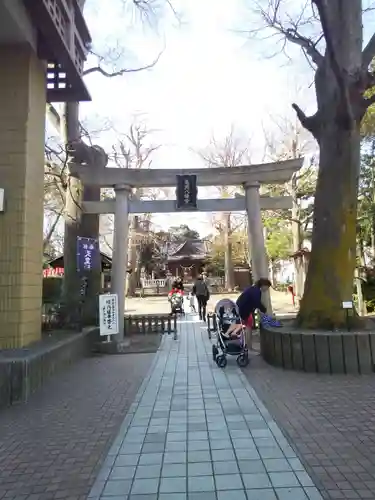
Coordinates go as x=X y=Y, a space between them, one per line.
x=186 y=192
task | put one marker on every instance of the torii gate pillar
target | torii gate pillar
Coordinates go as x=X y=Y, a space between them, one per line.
x=120 y=251
x=256 y=239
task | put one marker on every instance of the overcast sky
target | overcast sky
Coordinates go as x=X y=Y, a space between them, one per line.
x=209 y=77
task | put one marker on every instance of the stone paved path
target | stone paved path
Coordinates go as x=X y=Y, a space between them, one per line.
x=52 y=447
x=196 y=432
x=330 y=419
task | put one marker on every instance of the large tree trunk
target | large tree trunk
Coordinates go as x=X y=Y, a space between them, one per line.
x=273 y=271
x=336 y=127
x=297 y=243
x=133 y=256
x=330 y=275
x=71 y=283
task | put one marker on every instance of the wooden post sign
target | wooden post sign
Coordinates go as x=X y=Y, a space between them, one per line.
x=108 y=314
x=186 y=192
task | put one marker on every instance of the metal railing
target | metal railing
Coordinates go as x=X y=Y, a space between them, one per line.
x=151 y=324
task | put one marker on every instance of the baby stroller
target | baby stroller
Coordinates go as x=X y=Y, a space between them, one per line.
x=228 y=320
x=176 y=299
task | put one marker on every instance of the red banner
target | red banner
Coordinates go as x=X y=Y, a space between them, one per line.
x=53 y=272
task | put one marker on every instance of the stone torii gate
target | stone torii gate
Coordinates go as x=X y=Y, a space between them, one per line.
x=124 y=180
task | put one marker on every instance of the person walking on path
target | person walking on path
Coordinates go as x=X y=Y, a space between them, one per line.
x=200 y=290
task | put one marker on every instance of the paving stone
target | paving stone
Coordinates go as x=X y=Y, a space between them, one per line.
x=261 y=494
x=291 y=494
x=201 y=484
x=155 y=438
x=133 y=438
x=270 y=453
x=313 y=494
x=230 y=467
x=251 y=466
x=175 y=457
x=176 y=446
x=173 y=485
x=231 y=495
x=243 y=443
x=277 y=465
x=153 y=447
x=202 y=496
x=150 y=458
x=122 y=472
x=172 y=470
x=147 y=471
x=126 y=460
x=198 y=445
x=295 y=464
x=243 y=454
x=284 y=479
x=145 y=486
x=217 y=435
x=229 y=482
x=176 y=436
x=117 y=488
x=130 y=448
x=304 y=478
x=200 y=469
x=222 y=455
x=172 y=496
x=256 y=480
x=143 y=497
x=198 y=435
x=199 y=456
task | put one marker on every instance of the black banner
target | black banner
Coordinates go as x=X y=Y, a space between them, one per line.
x=186 y=192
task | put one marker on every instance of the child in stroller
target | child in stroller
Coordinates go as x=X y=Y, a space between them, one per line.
x=176 y=299
x=230 y=335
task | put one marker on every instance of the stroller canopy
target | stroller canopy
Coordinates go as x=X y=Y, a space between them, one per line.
x=228 y=305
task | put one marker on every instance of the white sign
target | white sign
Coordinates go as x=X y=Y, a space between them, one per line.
x=108 y=314
x=347 y=305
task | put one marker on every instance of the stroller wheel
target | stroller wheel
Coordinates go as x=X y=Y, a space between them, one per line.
x=243 y=360
x=215 y=352
x=221 y=361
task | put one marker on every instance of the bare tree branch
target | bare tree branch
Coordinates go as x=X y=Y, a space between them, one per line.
x=148 y=8
x=310 y=123
x=291 y=33
x=120 y=72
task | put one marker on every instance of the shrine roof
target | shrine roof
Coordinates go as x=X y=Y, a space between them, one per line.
x=106 y=261
x=188 y=249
